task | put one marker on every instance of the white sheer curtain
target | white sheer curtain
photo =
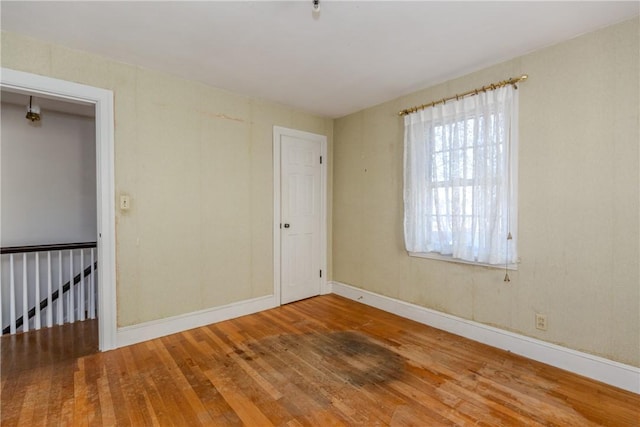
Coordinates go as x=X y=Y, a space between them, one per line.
x=460 y=178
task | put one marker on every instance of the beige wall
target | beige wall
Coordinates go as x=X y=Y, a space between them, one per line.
x=579 y=211
x=197 y=163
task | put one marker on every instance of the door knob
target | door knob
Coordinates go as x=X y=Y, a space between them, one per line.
x=286 y=226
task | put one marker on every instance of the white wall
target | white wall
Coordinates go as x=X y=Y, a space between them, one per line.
x=48 y=181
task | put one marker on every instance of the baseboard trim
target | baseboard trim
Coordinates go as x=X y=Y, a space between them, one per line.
x=158 y=328
x=598 y=368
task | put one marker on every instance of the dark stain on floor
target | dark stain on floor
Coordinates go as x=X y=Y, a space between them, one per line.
x=373 y=363
x=345 y=356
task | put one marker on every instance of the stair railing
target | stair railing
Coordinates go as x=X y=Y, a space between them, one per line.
x=40 y=270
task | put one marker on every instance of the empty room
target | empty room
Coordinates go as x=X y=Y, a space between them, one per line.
x=313 y=213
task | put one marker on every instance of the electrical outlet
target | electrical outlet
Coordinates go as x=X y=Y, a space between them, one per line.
x=541 y=321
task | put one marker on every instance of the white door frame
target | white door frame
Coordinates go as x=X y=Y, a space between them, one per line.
x=278 y=132
x=105 y=181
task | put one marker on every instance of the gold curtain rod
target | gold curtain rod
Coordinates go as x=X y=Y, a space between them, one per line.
x=493 y=86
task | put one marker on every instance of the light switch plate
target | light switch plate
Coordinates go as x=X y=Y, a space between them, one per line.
x=125 y=202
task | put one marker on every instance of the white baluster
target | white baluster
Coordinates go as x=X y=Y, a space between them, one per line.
x=12 y=297
x=81 y=292
x=60 y=293
x=49 y=302
x=92 y=289
x=25 y=295
x=71 y=293
x=37 y=292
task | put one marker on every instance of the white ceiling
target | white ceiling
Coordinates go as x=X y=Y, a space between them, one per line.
x=351 y=56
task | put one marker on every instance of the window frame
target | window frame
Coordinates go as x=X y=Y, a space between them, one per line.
x=463 y=181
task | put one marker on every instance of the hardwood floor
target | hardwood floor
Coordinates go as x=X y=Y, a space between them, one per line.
x=319 y=362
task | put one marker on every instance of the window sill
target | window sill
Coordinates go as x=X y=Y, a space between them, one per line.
x=439 y=257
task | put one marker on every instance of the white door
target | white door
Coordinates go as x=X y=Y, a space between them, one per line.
x=300 y=219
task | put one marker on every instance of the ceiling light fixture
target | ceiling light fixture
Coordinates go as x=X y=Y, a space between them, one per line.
x=316 y=6
x=33 y=111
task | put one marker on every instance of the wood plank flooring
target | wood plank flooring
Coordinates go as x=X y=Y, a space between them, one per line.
x=318 y=362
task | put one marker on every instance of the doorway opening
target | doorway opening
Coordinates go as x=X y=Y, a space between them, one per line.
x=48 y=213
x=102 y=302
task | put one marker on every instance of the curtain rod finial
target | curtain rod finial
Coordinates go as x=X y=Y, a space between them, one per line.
x=524 y=77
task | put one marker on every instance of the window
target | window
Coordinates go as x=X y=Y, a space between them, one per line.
x=460 y=179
